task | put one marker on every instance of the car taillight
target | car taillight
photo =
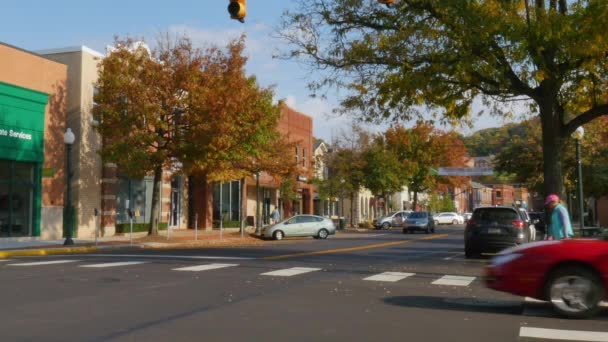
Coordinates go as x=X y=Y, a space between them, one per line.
x=518 y=224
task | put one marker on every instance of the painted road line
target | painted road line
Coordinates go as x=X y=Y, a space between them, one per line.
x=389 y=276
x=453 y=256
x=563 y=335
x=532 y=300
x=453 y=280
x=208 y=267
x=288 y=272
x=114 y=264
x=40 y=263
x=164 y=256
x=351 y=249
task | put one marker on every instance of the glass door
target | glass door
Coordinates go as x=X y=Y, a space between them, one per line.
x=16 y=198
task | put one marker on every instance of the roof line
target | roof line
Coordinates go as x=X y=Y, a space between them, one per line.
x=28 y=52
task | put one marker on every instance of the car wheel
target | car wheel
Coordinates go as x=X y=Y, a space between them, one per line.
x=278 y=235
x=323 y=233
x=386 y=225
x=428 y=230
x=405 y=231
x=455 y=222
x=575 y=292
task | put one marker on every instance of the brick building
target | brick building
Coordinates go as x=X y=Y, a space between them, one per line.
x=32 y=151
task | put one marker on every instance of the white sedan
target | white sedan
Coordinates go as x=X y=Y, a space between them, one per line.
x=448 y=218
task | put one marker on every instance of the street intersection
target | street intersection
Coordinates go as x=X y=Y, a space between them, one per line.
x=354 y=286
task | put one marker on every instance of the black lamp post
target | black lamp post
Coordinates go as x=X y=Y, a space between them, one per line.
x=578 y=136
x=68 y=139
x=257 y=202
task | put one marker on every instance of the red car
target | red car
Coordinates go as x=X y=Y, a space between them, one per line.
x=572 y=274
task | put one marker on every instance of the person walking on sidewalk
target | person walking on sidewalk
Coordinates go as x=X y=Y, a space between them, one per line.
x=559 y=226
x=276 y=216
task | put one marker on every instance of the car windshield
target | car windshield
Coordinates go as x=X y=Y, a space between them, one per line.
x=417 y=215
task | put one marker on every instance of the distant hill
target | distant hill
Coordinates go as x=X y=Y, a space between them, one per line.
x=490 y=141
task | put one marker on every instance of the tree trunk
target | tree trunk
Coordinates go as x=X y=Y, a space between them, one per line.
x=158 y=174
x=553 y=146
x=415 y=204
x=385 y=196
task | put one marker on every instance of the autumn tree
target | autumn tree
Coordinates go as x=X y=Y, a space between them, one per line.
x=420 y=150
x=141 y=99
x=179 y=103
x=418 y=55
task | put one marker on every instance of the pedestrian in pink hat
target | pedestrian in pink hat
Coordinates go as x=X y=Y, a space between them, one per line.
x=558 y=227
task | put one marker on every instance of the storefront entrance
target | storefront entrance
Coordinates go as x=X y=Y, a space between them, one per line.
x=17 y=189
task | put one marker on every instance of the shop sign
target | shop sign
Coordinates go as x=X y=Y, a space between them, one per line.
x=21 y=123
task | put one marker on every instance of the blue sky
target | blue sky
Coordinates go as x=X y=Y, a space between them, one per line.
x=44 y=24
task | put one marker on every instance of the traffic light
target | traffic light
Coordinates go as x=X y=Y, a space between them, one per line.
x=386 y=2
x=238 y=10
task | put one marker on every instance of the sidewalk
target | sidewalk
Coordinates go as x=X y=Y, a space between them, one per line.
x=175 y=238
x=178 y=238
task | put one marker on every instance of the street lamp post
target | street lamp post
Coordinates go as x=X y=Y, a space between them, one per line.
x=257 y=202
x=68 y=139
x=578 y=136
x=342 y=198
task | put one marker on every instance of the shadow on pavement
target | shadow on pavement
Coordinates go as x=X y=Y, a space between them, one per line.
x=474 y=305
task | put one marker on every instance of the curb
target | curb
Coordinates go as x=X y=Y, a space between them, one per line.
x=62 y=250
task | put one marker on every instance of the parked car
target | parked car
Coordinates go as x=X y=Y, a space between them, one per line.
x=530 y=228
x=492 y=229
x=467 y=216
x=571 y=274
x=448 y=218
x=301 y=225
x=538 y=219
x=419 y=220
x=394 y=219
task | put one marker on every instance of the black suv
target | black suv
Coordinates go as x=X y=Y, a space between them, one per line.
x=492 y=229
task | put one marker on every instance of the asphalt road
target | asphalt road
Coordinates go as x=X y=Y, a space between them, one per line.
x=297 y=289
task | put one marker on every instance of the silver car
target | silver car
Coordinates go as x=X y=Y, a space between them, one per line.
x=301 y=225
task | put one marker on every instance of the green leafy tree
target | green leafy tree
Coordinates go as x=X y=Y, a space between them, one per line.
x=521 y=158
x=382 y=169
x=441 y=55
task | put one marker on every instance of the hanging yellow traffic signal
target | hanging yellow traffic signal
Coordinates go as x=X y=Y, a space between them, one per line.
x=238 y=10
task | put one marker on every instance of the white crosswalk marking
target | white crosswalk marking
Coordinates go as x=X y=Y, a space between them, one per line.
x=207 y=267
x=389 y=276
x=563 y=335
x=39 y=263
x=288 y=272
x=453 y=280
x=114 y=264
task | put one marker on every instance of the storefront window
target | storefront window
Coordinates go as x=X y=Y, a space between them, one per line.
x=230 y=200
x=135 y=195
